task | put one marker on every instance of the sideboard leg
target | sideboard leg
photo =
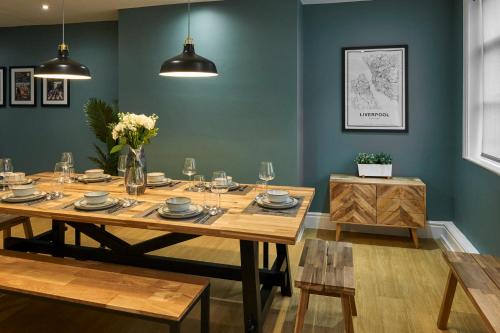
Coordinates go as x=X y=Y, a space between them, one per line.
x=338 y=230
x=414 y=236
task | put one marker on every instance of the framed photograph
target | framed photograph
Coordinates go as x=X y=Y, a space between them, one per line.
x=55 y=92
x=375 y=88
x=22 y=86
x=2 y=86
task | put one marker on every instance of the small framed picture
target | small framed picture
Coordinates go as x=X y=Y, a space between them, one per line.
x=55 y=92
x=2 y=86
x=22 y=86
x=375 y=88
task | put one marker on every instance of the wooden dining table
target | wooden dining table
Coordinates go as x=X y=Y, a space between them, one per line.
x=241 y=219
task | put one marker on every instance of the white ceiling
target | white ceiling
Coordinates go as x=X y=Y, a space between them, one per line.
x=29 y=12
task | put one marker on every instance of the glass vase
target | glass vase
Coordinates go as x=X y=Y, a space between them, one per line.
x=136 y=158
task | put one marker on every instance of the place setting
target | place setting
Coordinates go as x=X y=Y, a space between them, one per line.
x=94 y=176
x=101 y=201
x=158 y=179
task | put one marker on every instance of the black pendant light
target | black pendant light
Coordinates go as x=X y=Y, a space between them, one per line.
x=188 y=63
x=62 y=67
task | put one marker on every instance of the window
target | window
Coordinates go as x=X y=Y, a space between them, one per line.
x=482 y=83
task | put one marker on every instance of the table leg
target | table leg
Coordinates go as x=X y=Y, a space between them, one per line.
x=449 y=293
x=103 y=228
x=282 y=252
x=252 y=306
x=265 y=254
x=58 y=231
x=205 y=311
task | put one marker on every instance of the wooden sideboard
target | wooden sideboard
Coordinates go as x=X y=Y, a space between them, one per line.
x=395 y=202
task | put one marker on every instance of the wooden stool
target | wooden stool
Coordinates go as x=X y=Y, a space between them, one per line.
x=9 y=221
x=326 y=268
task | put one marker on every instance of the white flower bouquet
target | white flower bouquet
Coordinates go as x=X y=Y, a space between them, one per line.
x=134 y=130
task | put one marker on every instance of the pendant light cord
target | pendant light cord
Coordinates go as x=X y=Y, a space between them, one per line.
x=189 y=19
x=63 y=21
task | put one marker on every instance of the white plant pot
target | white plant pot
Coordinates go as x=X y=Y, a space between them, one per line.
x=375 y=170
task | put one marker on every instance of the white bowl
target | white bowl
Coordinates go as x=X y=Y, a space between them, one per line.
x=14 y=177
x=178 y=204
x=23 y=190
x=94 y=173
x=96 y=198
x=278 y=196
x=155 y=177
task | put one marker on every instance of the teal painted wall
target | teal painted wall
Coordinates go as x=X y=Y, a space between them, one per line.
x=476 y=190
x=247 y=114
x=35 y=137
x=427 y=26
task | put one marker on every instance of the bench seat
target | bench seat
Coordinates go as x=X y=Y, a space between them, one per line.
x=141 y=292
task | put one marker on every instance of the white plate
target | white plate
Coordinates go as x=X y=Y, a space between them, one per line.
x=85 y=179
x=24 y=182
x=194 y=210
x=233 y=186
x=263 y=201
x=83 y=205
x=35 y=196
x=164 y=182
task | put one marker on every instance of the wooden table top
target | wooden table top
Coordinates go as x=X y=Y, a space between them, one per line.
x=479 y=276
x=145 y=292
x=233 y=224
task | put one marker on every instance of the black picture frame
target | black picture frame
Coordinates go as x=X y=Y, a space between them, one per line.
x=3 y=86
x=404 y=128
x=65 y=103
x=12 y=86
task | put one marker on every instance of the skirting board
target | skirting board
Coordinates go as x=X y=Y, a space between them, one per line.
x=452 y=238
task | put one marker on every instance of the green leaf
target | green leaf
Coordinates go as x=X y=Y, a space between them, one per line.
x=116 y=149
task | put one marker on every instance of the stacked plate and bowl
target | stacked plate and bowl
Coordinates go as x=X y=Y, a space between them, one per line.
x=276 y=199
x=179 y=208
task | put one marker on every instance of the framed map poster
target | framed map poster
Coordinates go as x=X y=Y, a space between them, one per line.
x=375 y=88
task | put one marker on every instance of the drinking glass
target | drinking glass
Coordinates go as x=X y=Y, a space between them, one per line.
x=135 y=180
x=122 y=164
x=219 y=186
x=266 y=172
x=61 y=175
x=199 y=183
x=189 y=168
x=260 y=188
x=6 y=167
x=68 y=158
x=210 y=202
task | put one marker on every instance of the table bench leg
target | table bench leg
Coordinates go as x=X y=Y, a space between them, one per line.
x=338 y=231
x=252 y=305
x=282 y=253
x=301 y=313
x=205 y=311
x=28 y=230
x=449 y=293
x=346 y=310
x=353 y=306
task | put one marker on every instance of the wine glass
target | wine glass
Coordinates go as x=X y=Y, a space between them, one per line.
x=61 y=175
x=134 y=181
x=122 y=164
x=189 y=168
x=219 y=185
x=266 y=173
x=68 y=158
x=199 y=183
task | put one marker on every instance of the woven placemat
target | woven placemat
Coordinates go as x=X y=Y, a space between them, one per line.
x=204 y=218
x=254 y=208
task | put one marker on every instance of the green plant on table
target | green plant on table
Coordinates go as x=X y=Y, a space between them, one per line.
x=371 y=158
x=100 y=116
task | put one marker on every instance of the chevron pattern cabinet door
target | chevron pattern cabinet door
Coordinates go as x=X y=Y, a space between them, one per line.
x=400 y=205
x=353 y=203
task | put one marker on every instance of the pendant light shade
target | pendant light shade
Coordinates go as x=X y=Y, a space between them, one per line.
x=62 y=67
x=188 y=63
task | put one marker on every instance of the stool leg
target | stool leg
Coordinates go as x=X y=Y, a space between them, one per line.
x=304 y=301
x=205 y=311
x=449 y=294
x=338 y=231
x=346 y=310
x=28 y=230
x=353 y=306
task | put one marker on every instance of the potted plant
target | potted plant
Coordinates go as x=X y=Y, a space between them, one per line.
x=374 y=165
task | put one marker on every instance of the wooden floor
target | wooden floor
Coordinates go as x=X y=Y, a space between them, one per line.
x=398 y=289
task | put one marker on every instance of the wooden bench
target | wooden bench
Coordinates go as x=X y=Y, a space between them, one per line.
x=156 y=295
x=7 y=222
x=479 y=276
x=326 y=268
